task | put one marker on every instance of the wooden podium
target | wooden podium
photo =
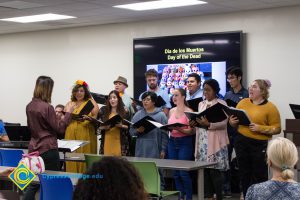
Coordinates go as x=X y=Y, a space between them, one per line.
x=292 y=132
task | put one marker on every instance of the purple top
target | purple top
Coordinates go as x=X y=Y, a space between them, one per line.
x=44 y=126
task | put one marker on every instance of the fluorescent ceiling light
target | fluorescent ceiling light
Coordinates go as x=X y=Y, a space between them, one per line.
x=141 y=46
x=38 y=18
x=221 y=41
x=151 y=5
x=197 y=42
x=203 y=42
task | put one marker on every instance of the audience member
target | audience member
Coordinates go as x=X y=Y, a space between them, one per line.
x=180 y=146
x=152 y=81
x=120 y=86
x=82 y=129
x=3 y=134
x=282 y=157
x=251 y=141
x=59 y=110
x=193 y=87
x=211 y=142
x=118 y=180
x=236 y=93
x=44 y=127
x=114 y=140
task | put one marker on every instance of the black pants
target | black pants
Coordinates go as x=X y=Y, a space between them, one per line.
x=51 y=160
x=227 y=174
x=213 y=179
x=251 y=156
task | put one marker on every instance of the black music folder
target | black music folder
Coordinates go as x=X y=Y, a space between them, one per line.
x=194 y=103
x=110 y=122
x=213 y=114
x=231 y=103
x=88 y=107
x=144 y=122
x=99 y=98
x=296 y=110
x=167 y=127
x=240 y=114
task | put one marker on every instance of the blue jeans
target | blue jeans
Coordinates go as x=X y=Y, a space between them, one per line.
x=182 y=149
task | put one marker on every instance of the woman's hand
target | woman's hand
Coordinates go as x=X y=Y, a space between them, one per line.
x=162 y=155
x=254 y=127
x=6 y=171
x=233 y=121
x=140 y=129
x=107 y=127
x=180 y=129
x=192 y=123
x=70 y=107
x=122 y=126
x=86 y=117
x=203 y=121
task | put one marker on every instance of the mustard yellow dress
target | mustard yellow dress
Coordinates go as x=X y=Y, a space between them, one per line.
x=112 y=142
x=81 y=130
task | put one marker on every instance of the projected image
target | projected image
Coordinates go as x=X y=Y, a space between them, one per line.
x=172 y=76
x=175 y=57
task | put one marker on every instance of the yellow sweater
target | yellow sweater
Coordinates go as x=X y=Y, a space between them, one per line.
x=265 y=115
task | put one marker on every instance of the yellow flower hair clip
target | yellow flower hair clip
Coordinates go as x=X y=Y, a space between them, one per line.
x=81 y=82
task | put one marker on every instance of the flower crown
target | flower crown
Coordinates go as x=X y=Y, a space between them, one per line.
x=268 y=83
x=81 y=82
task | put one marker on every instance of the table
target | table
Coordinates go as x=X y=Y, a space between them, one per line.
x=163 y=164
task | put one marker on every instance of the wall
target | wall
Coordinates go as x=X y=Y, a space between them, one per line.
x=98 y=54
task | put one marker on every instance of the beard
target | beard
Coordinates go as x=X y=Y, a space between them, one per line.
x=153 y=86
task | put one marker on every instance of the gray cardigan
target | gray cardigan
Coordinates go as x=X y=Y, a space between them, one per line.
x=150 y=145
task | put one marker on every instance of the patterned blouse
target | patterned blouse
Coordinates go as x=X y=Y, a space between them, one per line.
x=221 y=157
x=274 y=190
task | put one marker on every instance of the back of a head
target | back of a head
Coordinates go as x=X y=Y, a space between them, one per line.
x=283 y=155
x=117 y=180
x=43 y=88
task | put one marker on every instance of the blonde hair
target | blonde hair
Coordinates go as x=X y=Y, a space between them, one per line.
x=264 y=86
x=284 y=155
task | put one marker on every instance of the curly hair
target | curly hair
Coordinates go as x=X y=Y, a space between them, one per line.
x=119 y=181
x=264 y=86
x=87 y=94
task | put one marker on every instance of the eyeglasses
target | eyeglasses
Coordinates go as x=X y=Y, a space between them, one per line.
x=229 y=78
